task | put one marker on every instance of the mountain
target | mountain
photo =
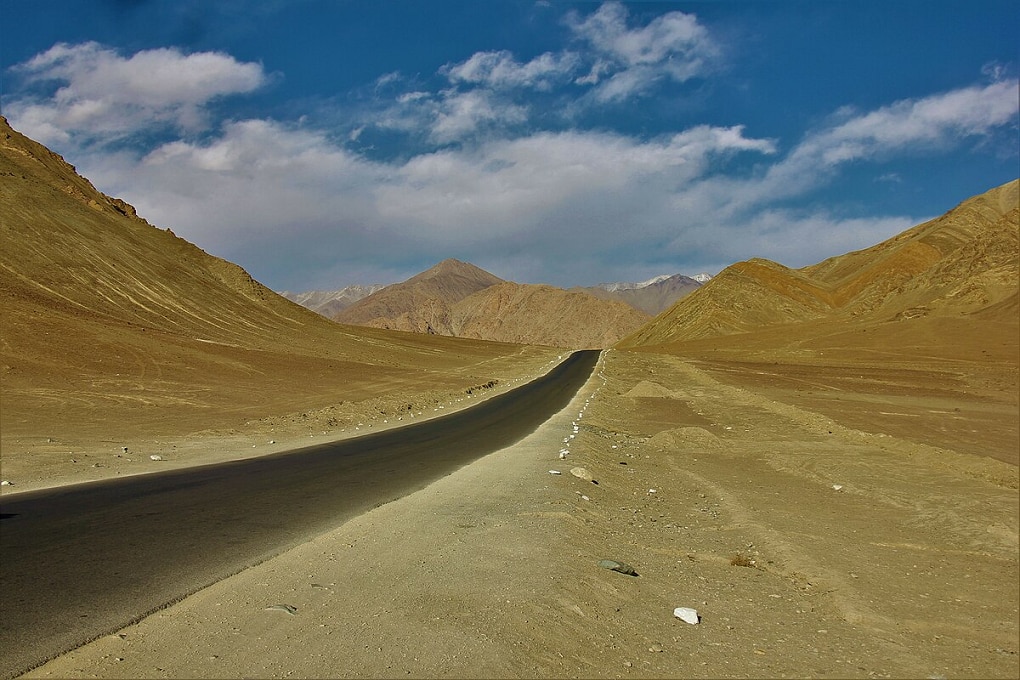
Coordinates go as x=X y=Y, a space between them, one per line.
x=458 y=299
x=543 y=315
x=110 y=323
x=422 y=303
x=963 y=265
x=652 y=296
x=331 y=302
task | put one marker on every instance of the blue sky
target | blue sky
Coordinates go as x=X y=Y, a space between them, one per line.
x=324 y=143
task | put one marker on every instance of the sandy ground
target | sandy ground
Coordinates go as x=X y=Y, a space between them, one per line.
x=89 y=444
x=808 y=547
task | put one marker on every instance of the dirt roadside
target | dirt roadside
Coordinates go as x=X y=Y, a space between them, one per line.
x=808 y=548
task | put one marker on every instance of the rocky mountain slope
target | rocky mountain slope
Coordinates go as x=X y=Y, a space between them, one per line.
x=331 y=302
x=963 y=264
x=543 y=315
x=458 y=299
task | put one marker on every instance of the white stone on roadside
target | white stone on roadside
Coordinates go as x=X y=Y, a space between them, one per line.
x=581 y=473
x=687 y=615
x=555 y=472
x=155 y=457
x=6 y=483
x=837 y=487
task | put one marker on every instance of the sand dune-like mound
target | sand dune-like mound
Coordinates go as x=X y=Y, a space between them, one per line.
x=646 y=388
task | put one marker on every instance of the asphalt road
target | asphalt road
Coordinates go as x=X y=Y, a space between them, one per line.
x=82 y=561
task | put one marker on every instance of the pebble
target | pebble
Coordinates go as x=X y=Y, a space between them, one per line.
x=155 y=457
x=290 y=609
x=687 y=615
x=555 y=472
x=582 y=473
x=621 y=567
x=6 y=483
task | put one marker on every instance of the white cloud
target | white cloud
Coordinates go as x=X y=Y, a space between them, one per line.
x=673 y=46
x=937 y=123
x=461 y=114
x=103 y=95
x=500 y=70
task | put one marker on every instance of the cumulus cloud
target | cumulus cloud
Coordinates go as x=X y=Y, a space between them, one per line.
x=103 y=95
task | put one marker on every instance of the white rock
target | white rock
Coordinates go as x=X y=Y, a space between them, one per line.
x=837 y=487
x=581 y=473
x=555 y=472
x=6 y=483
x=155 y=457
x=687 y=615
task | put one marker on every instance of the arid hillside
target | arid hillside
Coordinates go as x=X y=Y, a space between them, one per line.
x=964 y=263
x=110 y=323
x=918 y=336
x=458 y=299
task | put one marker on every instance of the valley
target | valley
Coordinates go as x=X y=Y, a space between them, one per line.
x=821 y=461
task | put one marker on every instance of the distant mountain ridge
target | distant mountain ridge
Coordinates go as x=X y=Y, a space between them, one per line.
x=651 y=296
x=331 y=302
x=459 y=299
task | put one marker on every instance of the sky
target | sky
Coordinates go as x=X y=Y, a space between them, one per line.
x=323 y=143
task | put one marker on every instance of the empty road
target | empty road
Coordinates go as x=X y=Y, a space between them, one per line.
x=81 y=561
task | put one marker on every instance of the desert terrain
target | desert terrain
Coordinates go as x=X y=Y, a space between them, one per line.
x=822 y=462
x=809 y=548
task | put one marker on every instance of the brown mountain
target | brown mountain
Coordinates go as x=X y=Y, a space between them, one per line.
x=543 y=315
x=458 y=299
x=111 y=324
x=422 y=303
x=961 y=265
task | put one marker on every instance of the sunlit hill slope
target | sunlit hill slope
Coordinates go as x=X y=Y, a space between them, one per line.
x=101 y=310
x=961 y=265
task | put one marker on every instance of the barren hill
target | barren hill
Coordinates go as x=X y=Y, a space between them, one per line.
x=110 y=324
x=543 y=315
x=963 y=263
x=422 y=303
